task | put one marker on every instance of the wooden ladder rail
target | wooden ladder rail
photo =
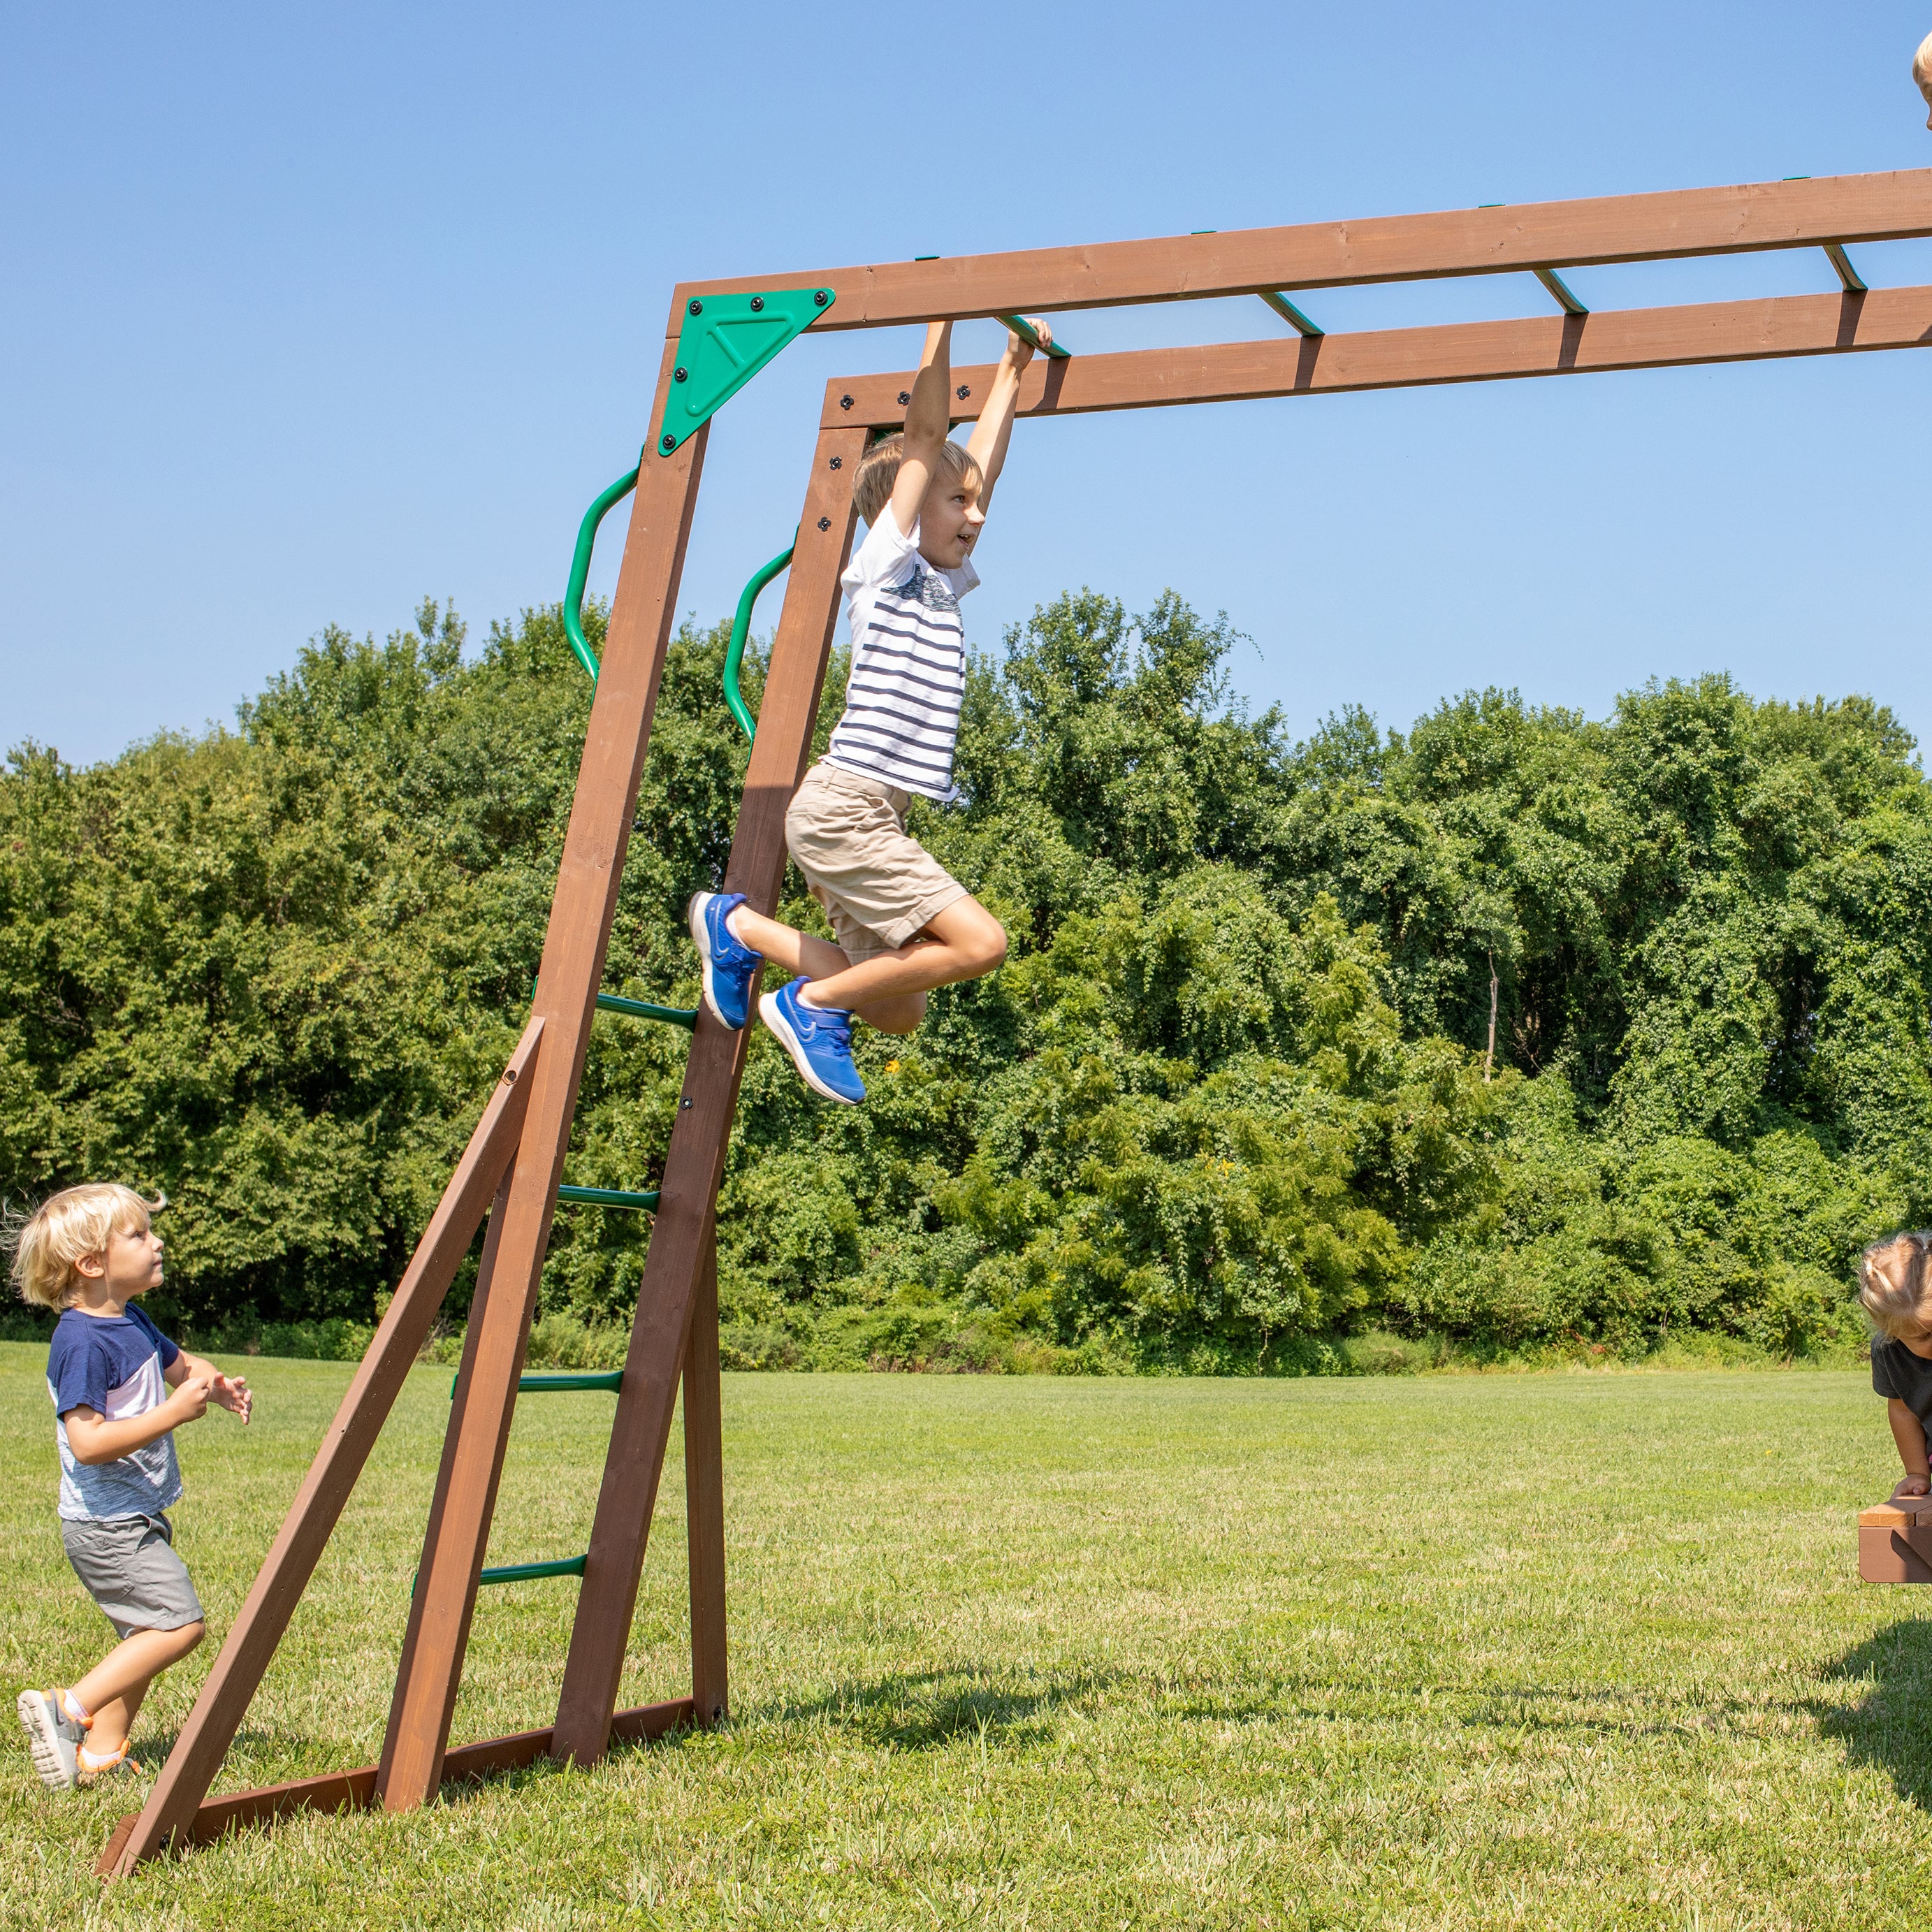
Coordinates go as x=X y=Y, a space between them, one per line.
x=676 y=1270
x=575 y=947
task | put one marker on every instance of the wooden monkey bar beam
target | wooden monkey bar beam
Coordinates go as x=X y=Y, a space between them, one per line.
x=1393 y=358
x=1551 y=235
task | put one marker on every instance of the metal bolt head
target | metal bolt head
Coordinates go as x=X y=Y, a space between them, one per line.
x=839 y=462
x=686 y=1102
x=845 y=402
x=679 y=375
x=757 y=301
x=820 y=297
x=825 y=523
x=696 y=307
x=904 y=398
x=962 y=392
x=667 y=443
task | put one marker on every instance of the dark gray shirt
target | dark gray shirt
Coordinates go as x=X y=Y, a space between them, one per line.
x=1897 y=1371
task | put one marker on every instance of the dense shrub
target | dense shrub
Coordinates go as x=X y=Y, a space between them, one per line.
x=1227 y=1107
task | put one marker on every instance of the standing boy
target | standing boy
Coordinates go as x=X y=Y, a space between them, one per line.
x=1895 y=1285
x=903 y=925
x=89 y=1251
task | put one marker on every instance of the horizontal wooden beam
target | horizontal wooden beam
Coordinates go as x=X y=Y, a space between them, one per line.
x=356 y=1790
x=1394 y=358
x=1759 y=215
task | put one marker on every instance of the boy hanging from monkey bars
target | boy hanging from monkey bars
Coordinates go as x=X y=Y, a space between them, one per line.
x=903 y=925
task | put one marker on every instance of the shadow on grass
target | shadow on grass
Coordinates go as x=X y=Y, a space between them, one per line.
x=925 y=1710
x=1892 y=1727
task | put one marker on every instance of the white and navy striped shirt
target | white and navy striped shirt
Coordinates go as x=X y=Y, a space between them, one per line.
x=908 y=679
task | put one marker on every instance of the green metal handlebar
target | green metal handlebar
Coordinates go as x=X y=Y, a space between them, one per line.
x=741 y=622
x=741 y=629
x=580 y=570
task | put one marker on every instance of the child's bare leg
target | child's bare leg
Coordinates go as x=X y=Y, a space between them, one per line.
x=112 y=1690
x=963 y=942
x=785 y=945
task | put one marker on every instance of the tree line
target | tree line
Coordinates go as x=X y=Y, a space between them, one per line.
x=1515 y=1031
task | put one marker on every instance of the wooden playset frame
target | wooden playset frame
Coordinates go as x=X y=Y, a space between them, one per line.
x=512 y=1167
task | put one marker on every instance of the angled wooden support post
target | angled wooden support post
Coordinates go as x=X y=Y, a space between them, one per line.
x=575 y=946
x=251 y=1645
x=695 y=1163
x=704 y=1494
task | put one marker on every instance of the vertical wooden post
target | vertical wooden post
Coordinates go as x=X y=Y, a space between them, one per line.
x=574 y=946
x=251 y=1643
x=704 y=1495
x=695 y=1163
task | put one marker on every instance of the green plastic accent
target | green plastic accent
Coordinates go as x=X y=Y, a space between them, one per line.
x=741 y=629
x=724 y=341
x=644 y=1010
x=556 y=1383
x=579 y=569
x=538 y=1383
x=1024 y=329
x=609 y=1197
x=529 y=1573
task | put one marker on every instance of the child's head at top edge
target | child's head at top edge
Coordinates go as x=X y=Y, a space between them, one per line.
x=949 y=516
x=1922 y=72
x=1894 y=1286
x=81 y=1224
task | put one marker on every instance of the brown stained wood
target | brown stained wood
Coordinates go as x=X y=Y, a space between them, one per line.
x=572 y=967
x=1897 y=1513
x=695 y=1163
x=1476 y=351
x=1894 y=1555
x=251 y=1643
x=1406 y=247
x=472 y=1335
x=704 y=1496
x=356 y=1790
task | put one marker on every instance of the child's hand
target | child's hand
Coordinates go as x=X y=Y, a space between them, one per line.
x=191 y=1397
x=1913 y=1486
x=233 y=1392
x=1019 y=350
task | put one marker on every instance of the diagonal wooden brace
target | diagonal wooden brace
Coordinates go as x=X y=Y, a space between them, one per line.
x=251 y=1645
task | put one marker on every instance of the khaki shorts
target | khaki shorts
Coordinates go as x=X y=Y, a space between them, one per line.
x=879 y=887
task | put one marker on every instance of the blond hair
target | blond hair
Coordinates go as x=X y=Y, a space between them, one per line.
x=879 y=470
x=49 y=1246
x=1921 y=70
x=1891 y=1280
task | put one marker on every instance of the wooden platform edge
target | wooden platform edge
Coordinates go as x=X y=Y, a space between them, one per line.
x=356 y=1790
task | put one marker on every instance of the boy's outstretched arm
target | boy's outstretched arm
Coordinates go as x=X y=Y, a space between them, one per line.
x=927 y=418
x=988 y=444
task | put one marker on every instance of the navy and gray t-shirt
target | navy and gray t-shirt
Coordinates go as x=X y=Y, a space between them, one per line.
x=114 y=1365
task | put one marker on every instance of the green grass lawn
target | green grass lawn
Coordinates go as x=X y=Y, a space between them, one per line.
x=1561 y=1650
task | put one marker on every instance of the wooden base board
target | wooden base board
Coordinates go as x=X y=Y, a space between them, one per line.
x=356 y=1790
x=1895 y=1541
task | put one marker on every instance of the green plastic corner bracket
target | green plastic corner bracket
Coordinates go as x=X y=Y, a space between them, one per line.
x=724 y=341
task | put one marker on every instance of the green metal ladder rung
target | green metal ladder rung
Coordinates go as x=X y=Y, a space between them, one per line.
x=609 y=1197
x=530 y=1573
x=545 y=1382
x=646 y=1009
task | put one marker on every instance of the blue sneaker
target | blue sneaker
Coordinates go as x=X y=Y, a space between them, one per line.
x=819 y=1039
x=730 y=966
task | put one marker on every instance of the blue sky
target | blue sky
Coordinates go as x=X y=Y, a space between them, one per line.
x=315 y=312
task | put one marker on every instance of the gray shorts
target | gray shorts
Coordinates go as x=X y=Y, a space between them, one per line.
x=128 y=1566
